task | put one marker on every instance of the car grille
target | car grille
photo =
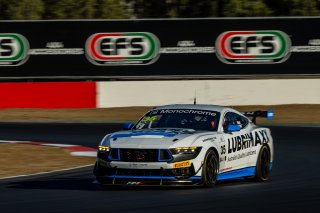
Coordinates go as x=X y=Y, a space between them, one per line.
x=140 y=172
x=188 y=171
x=140 y=155
x=181 y=172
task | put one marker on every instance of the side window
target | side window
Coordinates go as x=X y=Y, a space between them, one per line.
x=235 y=119
x=243 y=120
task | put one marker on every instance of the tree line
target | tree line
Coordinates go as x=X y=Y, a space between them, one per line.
x=130 y=9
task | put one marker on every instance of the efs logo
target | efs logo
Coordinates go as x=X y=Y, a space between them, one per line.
x=138 y=48
x=253 y=47
x=13 y=49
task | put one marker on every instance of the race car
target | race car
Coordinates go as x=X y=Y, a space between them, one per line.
x=187 y=144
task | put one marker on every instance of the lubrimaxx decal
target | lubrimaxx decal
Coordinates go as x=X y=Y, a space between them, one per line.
x=13 y=49
x=246 y=141
x=126 y=48
x=253 y=47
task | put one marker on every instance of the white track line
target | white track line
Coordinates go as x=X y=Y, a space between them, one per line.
x=3 y=141
x=75 y=153
x=59 y=145
x=71 y=152
x=84 y=154
x=42 y=173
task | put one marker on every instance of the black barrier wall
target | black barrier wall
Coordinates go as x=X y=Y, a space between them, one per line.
x=159 y=49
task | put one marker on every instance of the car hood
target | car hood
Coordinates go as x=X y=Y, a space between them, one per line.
x=153 y=139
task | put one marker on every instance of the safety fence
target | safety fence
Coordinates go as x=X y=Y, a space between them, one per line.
x=159 y=49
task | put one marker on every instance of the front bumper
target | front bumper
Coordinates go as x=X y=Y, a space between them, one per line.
x=107 y=175
x=154 y=181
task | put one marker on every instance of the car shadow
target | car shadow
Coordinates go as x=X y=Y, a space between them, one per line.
x=89 y=184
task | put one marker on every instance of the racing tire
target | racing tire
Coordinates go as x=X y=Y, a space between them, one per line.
x=98 y=170
x=210 y=169
x=263 y=165
x=95 y=169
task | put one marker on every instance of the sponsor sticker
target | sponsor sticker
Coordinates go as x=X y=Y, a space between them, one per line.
x=253 y=47
x=211 y=139
x=181 y=164
x=137 y=165
x=13 y=49
x=242 y=155
x=187 y=111
x=187 y=47
x=135 y=183
x=127 y=48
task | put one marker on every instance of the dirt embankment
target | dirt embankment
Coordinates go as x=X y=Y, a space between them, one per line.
x=20 y=159
x=292 y=114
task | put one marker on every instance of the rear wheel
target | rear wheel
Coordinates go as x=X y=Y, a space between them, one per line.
x=210 y=169
x=263 y=165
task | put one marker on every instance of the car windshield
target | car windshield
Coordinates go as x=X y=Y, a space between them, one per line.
x=180 y=118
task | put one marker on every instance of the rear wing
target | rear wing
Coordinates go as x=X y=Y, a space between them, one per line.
x=264 y=114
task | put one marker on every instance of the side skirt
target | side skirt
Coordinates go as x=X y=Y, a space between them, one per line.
x=239 y=173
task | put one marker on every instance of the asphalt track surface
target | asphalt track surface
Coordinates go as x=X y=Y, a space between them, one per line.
x=294 y=185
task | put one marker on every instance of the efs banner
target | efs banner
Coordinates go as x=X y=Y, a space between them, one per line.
x=253 y=47
x=159 y=49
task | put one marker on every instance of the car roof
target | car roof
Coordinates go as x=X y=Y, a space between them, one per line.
x=208 y=107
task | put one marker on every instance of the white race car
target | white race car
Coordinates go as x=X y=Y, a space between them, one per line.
x=187 y=145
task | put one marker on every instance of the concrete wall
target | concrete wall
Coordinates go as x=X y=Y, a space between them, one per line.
x=221 y=92
x=48 y=95
x=153 y=93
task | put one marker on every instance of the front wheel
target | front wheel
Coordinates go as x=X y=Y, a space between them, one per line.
x=263 y=165
x=210 y=169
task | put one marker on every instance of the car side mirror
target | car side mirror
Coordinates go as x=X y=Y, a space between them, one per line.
x=127 y=126
x=233 y=128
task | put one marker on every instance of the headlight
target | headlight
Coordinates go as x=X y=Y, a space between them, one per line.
x=104 y=148
x=185 y=150
x=103 y=152
x=185 y=153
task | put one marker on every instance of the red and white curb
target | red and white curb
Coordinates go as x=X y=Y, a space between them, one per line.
x=75 y=150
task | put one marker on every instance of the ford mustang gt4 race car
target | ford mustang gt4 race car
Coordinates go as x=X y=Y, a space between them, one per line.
x=187 y=145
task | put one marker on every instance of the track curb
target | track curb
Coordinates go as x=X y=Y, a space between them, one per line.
x=44 y=173
x=74 y=150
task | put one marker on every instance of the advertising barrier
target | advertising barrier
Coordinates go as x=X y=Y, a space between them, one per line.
x=159 y=49
x=48 y=95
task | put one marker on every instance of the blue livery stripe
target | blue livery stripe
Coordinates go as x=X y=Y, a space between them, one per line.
x=139 y=177
x=195 y=178
x=128 y=135
x=246 y=172
x=150 y=177
x=270 y=166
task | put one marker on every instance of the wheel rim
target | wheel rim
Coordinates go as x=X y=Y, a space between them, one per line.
x=211 y=170
x=265 y=160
